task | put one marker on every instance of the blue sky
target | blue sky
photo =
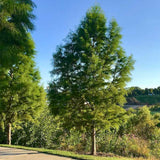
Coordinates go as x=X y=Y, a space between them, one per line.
x=139 y=20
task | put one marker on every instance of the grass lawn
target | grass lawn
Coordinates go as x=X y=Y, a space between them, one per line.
x=148 y=99
x=71 y=154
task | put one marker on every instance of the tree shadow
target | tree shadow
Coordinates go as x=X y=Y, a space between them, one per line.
x=12 y=152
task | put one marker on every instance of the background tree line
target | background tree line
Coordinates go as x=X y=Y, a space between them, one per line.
x=137 y=91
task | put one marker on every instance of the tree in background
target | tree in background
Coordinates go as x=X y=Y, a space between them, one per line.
x=15 y=22
x=137 y=91
x=89 y=75
x=21 y=96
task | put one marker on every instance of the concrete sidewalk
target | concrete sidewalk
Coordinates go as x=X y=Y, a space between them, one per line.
x=20 y=154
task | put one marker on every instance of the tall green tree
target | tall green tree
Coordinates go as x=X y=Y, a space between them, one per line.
x=89 y=75
x=15 y=22
x=21 y=96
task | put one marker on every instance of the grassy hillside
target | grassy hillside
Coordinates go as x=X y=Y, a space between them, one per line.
x=154 y=99
x=144 y=100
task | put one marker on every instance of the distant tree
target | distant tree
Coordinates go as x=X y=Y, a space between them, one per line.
x=21 y=96
x=137 y=91
x=146 y=91
x=89 y=75
x=155 y=91
x=15 y=22
x=158 y=90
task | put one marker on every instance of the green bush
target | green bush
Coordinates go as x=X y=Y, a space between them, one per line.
x=75 y=141
x=155 y=143
x=107 y=141
x=127 y=145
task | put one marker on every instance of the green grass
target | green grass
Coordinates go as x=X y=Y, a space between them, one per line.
x=148 y=99
x=70 y=154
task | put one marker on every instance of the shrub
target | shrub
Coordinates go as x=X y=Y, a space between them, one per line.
x=127 y=145
x=155 y=143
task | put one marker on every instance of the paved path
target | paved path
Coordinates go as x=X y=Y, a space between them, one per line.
x=19 y=154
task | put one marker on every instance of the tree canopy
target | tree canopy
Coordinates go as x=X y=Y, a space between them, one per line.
x=21 y=96
x=89 y=75
x=15 y=23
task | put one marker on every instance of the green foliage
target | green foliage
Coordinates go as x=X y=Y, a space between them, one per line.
x=47 y=132
x=139 y=136
x=22 y=92
x=44 y=132
x=137 y=91
x=155 y=108
x=89 y=75
x=126 y=145
x=144 y=100
x=21 y=96
x=15 y=22
x=140 y=123
x=144 y=125
x=2 y=136
x=147 y=96
x=155 y=143
x=129 y=145
x=150 y=100
x=75 y=141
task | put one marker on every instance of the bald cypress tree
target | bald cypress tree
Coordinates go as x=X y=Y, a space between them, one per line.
x=89 y=75
x=15 y=23
x=21 y=95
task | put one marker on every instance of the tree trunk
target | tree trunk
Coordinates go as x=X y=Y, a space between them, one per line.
x=93 y=138
x=9 y=134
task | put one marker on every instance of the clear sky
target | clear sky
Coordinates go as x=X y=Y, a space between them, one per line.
x=139 y=20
